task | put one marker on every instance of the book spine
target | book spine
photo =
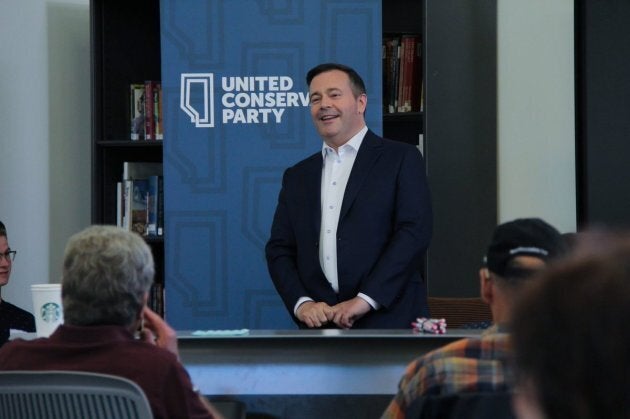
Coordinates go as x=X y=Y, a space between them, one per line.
x=160 y=210
x=157 y=105
x=396 y=76
x=152 y=205
x=126 y=216
x=401 y=77
x=149 y=118
x=416 y=101
x=136 y=111
x=156 y=298
x=390 y=49
x=119 y=204
x=410 y=50
x=138 y=219
x=385 y=75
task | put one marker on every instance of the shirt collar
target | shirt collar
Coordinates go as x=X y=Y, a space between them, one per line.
x=354 y=142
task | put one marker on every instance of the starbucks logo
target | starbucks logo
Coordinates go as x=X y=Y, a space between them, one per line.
x=51 y=312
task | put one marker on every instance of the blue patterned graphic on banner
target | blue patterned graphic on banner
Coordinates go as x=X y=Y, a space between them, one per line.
x=235 y=117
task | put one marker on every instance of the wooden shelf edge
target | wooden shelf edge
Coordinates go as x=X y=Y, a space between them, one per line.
x=129 y=143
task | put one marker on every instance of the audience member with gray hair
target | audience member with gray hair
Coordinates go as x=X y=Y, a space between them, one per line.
x=107 y=275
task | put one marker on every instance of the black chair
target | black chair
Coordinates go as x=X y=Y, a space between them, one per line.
x=482 y=405
x=70 y=395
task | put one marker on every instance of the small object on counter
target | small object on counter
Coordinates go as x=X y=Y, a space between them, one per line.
x=425 y=325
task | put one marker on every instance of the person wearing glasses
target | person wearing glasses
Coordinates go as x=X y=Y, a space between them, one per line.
x=11 y=316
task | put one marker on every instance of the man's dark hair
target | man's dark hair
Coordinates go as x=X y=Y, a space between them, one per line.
x=356 y=82
x=571 y=336
x=3 y=230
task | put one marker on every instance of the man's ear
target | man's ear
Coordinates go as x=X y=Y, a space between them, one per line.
x=362 y=103
x=486 y=285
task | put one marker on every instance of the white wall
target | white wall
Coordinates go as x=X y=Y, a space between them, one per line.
x=536 y=113
x=45 y=135
x=45 y=124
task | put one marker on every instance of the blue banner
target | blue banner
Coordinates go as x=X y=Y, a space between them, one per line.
x=235 y=105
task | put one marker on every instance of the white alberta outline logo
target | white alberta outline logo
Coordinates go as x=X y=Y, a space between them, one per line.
x=204 y=119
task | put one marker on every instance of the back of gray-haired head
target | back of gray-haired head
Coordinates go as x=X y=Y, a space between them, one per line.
x=106 y=273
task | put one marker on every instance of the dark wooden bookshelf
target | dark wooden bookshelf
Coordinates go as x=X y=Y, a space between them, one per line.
x=458 y=128
x=125 y=41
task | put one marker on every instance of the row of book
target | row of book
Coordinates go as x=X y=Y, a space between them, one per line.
x=140 y=198
x=156 y=298
x=145 y=106
x=402 y=73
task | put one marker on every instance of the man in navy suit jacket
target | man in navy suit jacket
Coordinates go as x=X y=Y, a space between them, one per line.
x=353 y=221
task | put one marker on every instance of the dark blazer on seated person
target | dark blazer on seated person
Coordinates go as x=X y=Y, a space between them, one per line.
x=384 y=229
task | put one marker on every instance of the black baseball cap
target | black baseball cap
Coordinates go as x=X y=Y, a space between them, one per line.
x=522 y=237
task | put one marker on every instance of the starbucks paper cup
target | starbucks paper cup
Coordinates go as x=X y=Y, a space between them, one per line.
x=47 y=308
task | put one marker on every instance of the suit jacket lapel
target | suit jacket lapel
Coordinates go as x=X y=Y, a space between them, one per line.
x=371 y=148
x=313 y=186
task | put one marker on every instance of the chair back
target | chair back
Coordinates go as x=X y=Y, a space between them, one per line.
x=70 y=395
x=460 y=312
x=481 y=405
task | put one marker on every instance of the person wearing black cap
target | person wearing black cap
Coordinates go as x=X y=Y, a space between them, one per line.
x=518 y=250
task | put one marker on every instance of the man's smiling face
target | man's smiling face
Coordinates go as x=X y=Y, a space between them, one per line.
x=336 y=112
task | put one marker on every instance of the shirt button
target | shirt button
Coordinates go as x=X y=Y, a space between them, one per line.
x=328 y=231
x=331 y=207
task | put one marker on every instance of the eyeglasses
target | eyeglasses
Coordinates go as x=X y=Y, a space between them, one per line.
x=9 y=255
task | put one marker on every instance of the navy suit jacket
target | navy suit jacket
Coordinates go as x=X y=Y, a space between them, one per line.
x=384 y=230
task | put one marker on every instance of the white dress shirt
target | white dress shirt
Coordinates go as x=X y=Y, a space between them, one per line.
x=337 y=165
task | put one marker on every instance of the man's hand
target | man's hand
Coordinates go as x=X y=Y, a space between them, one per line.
x=155 y=330
x=347 y=312
x=314 y=314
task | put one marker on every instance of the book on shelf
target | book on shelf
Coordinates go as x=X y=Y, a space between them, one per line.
x=136 y=111
x=155 y=205
x=120 y=203
x=156 y=299
x=390 y=51
x=407 y=65
x=140 y=198
x=145 y=103
x=402 y=77
x=157 y=111
x=402 y=73
x=149 y=109
x=160 y=209
x=138 y=206
x=415 y=69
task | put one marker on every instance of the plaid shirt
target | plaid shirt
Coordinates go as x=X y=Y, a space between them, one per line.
x=467 y=365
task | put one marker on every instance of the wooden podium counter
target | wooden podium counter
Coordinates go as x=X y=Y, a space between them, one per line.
x=306 y=362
